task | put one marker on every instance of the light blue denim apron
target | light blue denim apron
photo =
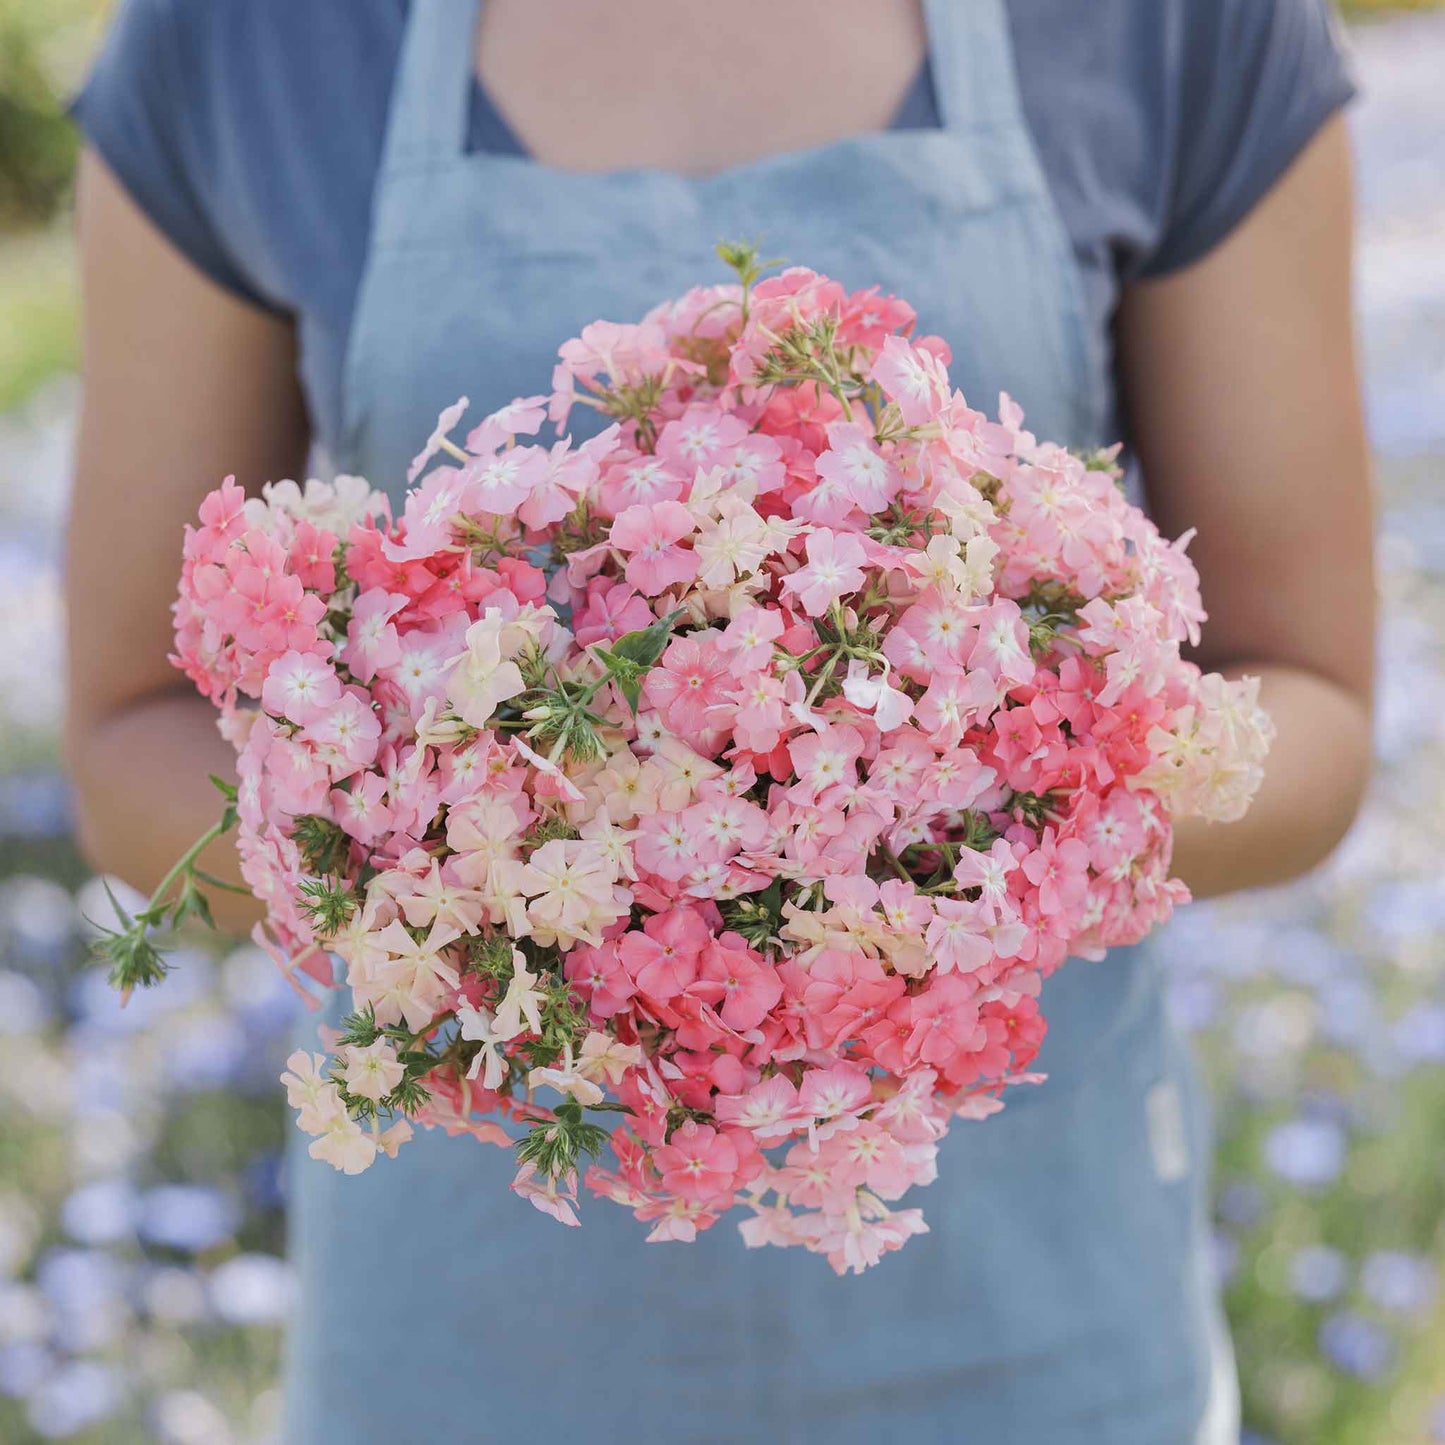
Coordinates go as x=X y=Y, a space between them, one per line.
x=1062 y=1297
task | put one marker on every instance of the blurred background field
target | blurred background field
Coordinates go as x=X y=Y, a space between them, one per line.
x=142 y=1288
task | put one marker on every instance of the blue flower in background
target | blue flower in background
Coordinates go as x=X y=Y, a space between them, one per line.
x=34 y=805
x=78 y=1395
x=252 y=1289
x=1356 y=1346
x=1318 y=1273
x=100 y=1213
x=1309 y=1153
x=1403 y=1283
x=189 y=1217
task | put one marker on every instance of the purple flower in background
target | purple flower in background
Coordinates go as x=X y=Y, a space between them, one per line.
x=1308 y=1153
x=252 y=1289
x=1356 y=1346
x=207 y=1055
x=1403 y=1283
x=78 y=1395
x=100 y=1213
x=34 y=805
x=1420 y=1034
x=24 y=1009
x=187 y=1216
x=1318 y=1273
x=23 y=1367
x=1242 y=1202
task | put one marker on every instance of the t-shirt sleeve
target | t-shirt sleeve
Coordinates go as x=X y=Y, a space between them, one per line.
x=1259 y=79
x=144 y=108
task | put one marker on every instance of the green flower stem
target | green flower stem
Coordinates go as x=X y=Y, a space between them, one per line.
x=184 y=865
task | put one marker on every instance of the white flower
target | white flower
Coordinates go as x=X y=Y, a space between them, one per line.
x=478 y=1025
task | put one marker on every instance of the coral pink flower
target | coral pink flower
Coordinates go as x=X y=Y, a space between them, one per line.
x=698 y=1164
x=738 y=983
x=300 y=687
x=663 y=959
x=692 y=680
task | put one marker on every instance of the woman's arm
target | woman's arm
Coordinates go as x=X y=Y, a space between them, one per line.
x=183 y=385
x=1240 y=383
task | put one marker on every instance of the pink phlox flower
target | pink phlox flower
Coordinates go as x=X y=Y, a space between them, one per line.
x=958 y=936
x=769 y=1110
x=701 y=438
x=599 y=976
x=498 y=485
x=832 y=1098
x=300 y=687
x=954 y=702
x=694 y=676
x=1059 y=869
x=989 y=872
x=346 y=735
x=371 y=637
x=750 y=635
x=738 y=983
x=437 y=441
x=427 y=517
x=833 y=570
x=440 y=896
x=912 y=377
x=891 y=708
x=823 y=759
x=858 y=468
x=361 y=810
x=649 y=534
x=633 y=480
x=611 y=608
x=698 y=1164
x=522 y=416
x=663 y=959
x=556 y=1196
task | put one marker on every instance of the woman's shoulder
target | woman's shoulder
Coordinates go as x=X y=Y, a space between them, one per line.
x=257 y=24
x=217 y=115
x=1161 y=122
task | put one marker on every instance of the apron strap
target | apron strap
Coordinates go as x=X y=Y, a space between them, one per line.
x=971 y=55
x=970 y=52
x=432 y=91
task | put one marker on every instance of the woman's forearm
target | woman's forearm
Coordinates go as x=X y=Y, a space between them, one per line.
x=144 y=795
x=1314 y=779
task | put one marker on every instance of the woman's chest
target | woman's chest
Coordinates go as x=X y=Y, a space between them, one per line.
x=690 y=87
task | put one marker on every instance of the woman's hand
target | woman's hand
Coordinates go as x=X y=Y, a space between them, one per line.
x=1239 y=377
x=183 y=385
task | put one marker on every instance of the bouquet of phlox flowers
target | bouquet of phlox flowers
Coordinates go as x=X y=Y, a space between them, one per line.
x=712 y=797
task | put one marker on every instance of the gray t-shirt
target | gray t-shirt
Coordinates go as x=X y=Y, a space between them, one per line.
x=250 y=132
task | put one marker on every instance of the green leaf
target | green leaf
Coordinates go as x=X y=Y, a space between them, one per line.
x=628 y=659
x=646 y=645
x=229 y=792
x=192 y=902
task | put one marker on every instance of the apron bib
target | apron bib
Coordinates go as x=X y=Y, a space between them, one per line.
x=1062 y=1294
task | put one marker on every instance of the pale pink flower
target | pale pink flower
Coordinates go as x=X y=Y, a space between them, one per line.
x=833 y=570
x=371 y=1071
x=557 y=1197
